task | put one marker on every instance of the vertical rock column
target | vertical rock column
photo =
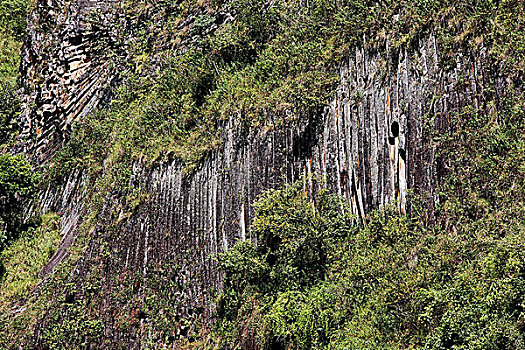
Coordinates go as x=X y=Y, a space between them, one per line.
x=63 y=74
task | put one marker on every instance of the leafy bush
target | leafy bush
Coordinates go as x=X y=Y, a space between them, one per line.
x=17 y=184
x=12 y=28
x=294 y=234
x=13 y=15
x=23 y=260
x=9 y=109
x=21 y=264
x=315 y=281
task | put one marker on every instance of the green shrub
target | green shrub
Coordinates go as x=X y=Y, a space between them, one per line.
x=13 y=15
x=9 y=109
x=18 y=184
x=294 y=234
x=22 y=262
x=25 y=258
x=12 y=28
x=393 y=283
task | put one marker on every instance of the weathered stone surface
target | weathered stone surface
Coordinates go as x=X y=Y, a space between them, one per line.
x=63 y=73
x=369 y=143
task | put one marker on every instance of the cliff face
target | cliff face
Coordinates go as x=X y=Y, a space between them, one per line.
x=370 y=144
x=64 y=72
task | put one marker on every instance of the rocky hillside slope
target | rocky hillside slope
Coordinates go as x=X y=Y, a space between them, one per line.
x=146 y=208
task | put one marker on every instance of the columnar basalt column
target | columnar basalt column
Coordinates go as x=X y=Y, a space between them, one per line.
x=368 y=143
x=63 y=73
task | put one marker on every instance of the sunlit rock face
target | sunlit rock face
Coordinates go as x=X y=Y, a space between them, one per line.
x=64 y=73
x=369 y=143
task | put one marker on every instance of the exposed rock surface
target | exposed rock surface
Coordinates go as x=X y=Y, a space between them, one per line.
x=63 y=73
x=369 y=143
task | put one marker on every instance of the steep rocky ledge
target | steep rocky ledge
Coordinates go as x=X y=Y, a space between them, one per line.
x=370 y=144
x=64 y=73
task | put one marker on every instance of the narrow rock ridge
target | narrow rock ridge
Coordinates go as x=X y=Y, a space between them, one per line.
x=69 y=203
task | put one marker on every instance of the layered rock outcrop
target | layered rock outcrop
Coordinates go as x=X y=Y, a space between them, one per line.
x=64 y=73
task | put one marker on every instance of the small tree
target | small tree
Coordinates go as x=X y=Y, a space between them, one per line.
x=294 y=233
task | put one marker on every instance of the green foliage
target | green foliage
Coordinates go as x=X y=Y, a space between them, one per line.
x=13 y=15
x=21 y=264
x=24 y=259
x=12 y=27
x=390 y=284
x=73 y=323
x=9 y=59
x=486 y=153
x=17 y=184
x=294 y=235
x=9 y=109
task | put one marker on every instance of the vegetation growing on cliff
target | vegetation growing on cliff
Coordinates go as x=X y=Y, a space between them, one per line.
x=17 y=185
x=440 y=278
x=25 y=244
x=18 y=181
x=189 y=67
x=450 y=278
x=12 y=28
x=315 y=281
x=22 y=262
